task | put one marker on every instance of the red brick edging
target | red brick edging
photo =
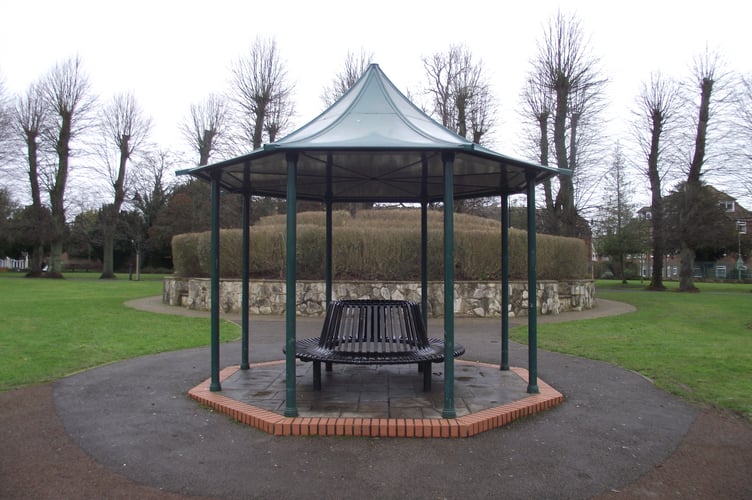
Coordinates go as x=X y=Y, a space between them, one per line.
x=465 y=426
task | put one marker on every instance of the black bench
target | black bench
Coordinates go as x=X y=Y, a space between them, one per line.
x=373 y=332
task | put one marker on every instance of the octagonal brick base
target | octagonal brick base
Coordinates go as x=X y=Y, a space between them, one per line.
x=463 y=426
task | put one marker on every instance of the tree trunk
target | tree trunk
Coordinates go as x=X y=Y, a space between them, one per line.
x=55 y=266
x=37 y=257
x=543 y=146
x=689 y=217
x=686 y=275
x=566 y=189
x=205 y=148
x=687 y=269
x=656 y=278
x=695 y=168
x=56 y=255
x=565 y=211
x=258 y=127
x=112 y=213
x=108 y=264
x=57 y=196
x=656 y=200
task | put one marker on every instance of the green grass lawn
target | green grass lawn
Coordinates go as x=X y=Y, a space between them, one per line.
x=52 y=328
x=698 y=345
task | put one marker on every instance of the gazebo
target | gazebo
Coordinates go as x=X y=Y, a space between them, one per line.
x=374 y=145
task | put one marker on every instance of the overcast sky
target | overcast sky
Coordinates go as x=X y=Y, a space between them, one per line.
x=174 y=53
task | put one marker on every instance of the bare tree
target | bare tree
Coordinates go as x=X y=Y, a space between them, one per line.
x=7 y=209
x=654 y=127
x=355 y=66
x=712 y=81
x=462 y=99
x=124 y=129
x=30 y=122
x=482 y=114
x=441 y=72
x=278 y=118
x=587 y=146
x=68 y=96
x=744 y=128
x=152 y=190
x=6 y=121
x=152 y=187
x=537 y=104
x=261 y=92
x=30 y=116
x=460 y=93
x=565 y=77
x=207 y=128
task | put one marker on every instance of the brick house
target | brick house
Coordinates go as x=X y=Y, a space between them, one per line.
x=735 y=263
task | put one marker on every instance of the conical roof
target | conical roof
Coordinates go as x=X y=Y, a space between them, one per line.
x=373 y=144
x=373 y=114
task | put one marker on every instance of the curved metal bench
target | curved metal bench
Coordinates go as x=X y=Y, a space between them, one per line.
x=373 y=332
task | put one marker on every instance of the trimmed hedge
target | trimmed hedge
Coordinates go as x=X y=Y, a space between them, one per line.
x=380 y=245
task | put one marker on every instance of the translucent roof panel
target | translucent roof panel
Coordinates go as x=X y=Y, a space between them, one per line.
x=373 y=144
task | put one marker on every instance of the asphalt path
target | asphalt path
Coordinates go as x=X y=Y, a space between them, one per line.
x=135 y=418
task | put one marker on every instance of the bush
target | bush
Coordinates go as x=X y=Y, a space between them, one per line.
x=380 y=245
x=185 y=255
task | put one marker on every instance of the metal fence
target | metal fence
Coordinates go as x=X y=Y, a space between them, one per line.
x=720 y=272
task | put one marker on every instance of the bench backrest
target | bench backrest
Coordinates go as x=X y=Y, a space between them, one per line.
x=373 y=326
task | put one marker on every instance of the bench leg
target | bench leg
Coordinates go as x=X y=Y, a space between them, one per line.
x=328 y=366
x=426 y=369
x=317 y=375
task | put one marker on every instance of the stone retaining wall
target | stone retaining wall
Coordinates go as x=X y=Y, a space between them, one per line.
x=471 y=298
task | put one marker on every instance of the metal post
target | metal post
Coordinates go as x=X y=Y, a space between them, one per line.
x=424 y=241
x=245 y=280
x=504 y=283
x=214 y=265
x=449 y=410
x=291 y=409
x=329 y=266
x=532 y=289
x=329 y=242
x=424 y=262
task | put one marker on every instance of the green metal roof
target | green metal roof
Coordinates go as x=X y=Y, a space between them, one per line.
x=373 y=144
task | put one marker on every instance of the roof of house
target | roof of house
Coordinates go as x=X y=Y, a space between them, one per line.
x=739 y=212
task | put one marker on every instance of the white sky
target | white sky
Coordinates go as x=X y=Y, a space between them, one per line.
x=174 y=53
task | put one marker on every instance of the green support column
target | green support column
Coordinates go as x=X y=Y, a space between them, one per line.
x=424 y=261
x=449 y=410
x=328 y=269
x=214 y=267
x=291 y=407
x=504 y=282
x=329 y=264
x=532 y=289
x=245 y=323
x=424 y=240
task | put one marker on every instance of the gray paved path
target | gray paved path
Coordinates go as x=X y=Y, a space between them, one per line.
x=135 y=418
